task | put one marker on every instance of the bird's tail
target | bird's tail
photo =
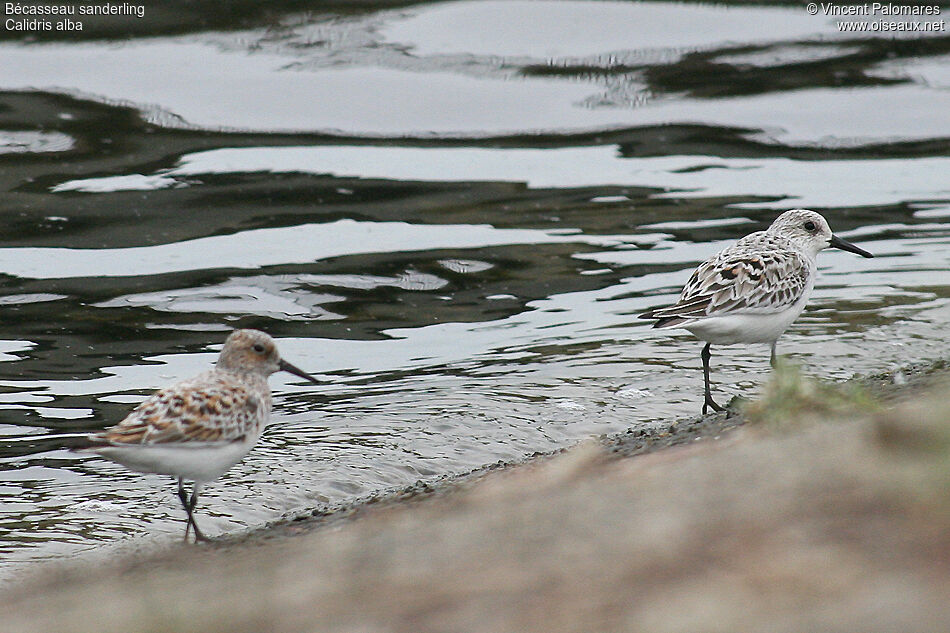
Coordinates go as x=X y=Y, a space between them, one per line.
x=662 y=320
x=679 y=313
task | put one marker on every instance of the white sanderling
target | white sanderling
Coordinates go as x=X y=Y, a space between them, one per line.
x=198 y=428
x=751 y=292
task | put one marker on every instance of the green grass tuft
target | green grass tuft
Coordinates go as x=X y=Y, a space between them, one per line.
x=791 y=400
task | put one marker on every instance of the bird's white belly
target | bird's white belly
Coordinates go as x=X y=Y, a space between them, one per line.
x=745 y=328
x=197 y=461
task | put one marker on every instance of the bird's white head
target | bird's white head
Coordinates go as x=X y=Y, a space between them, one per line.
x=810 y=231
x=249 y=352
x=254 y=352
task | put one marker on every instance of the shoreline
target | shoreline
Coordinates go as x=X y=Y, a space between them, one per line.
x=888 y=387
x=580 y=531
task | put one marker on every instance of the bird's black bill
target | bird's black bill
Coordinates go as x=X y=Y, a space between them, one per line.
x=837 y=242
x=285 y=366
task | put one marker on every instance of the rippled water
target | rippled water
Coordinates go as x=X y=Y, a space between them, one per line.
x=449 y=217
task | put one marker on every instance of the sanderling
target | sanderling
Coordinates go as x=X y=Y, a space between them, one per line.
x=198 y=428
x=751 y=291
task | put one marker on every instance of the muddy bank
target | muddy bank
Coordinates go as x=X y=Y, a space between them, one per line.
x=833 y=514
x=892 y=388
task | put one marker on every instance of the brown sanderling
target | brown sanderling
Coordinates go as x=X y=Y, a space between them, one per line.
x=198 y=428
x=752 y=291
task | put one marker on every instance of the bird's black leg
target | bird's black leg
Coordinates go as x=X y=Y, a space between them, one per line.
x=708 y=402
x=183 y=497
x=189 y=506
x=191 y=515
x=773 y=359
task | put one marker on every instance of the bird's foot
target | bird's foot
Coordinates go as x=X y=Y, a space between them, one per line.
x=709 y=403
x=199 y=536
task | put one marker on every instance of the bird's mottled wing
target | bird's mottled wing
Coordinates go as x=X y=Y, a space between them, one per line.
x=760 y=277
x=191 y=411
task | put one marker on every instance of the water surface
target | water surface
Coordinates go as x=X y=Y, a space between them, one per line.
x=450 y=218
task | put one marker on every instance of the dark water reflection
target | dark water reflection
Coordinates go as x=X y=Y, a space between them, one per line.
x=470 y=296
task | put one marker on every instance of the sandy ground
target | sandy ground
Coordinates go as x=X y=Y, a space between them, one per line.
x=825 y=511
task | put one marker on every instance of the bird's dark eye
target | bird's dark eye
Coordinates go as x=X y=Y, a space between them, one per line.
x=809 y=226
x=258 y=348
